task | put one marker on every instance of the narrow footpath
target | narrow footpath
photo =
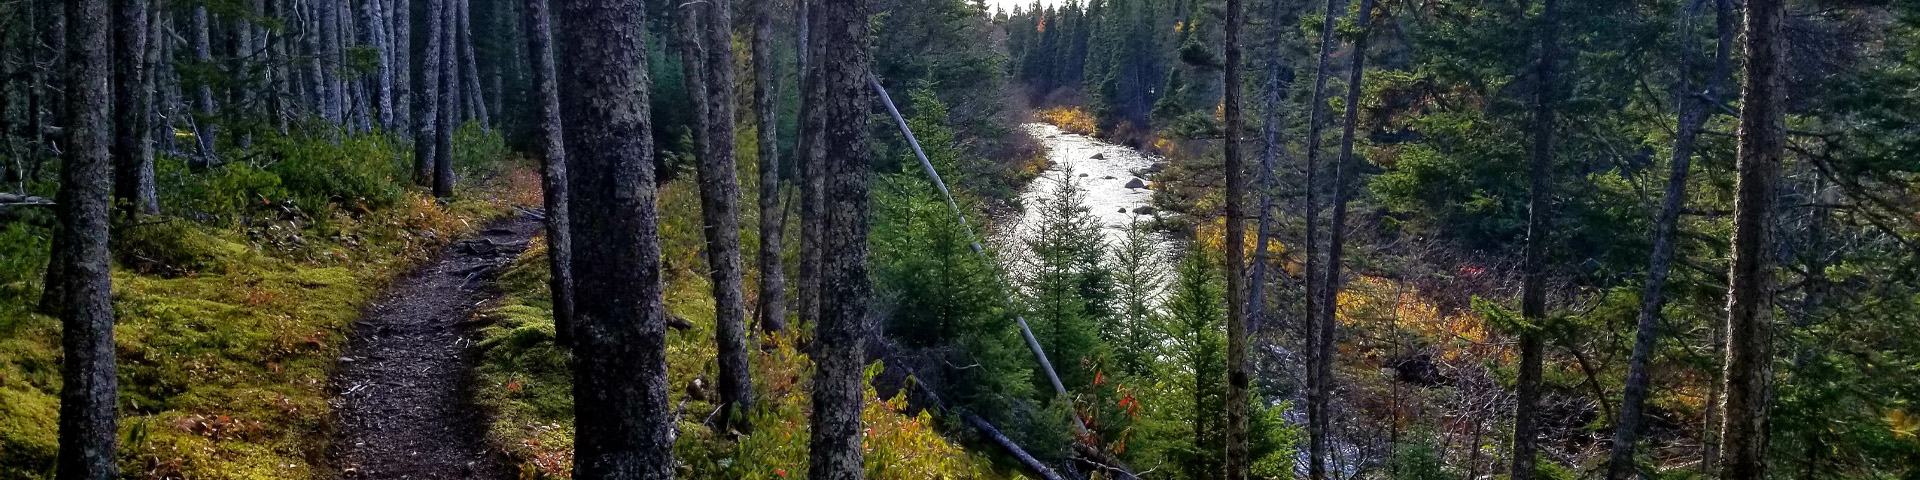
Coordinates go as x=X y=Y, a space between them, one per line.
x=402 y=408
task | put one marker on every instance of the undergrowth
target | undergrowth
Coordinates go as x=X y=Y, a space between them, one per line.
x=231 y=310
x=525 y=385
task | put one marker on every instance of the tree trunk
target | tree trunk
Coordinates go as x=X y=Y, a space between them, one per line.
x=469 y=80
x=620 y=367
x=550 y=138
x=1749 y=369
x=840 y=119
x=403 y=76
x=1533 y=295
x=449 y=70
x=1343 y=169
x=374 y=36
x=426 y=123
x=132 y=98
x=807 y=152
x=1238 y=463
x=277 y=74
x=1270 y=141
x=1317 y=419
x=89 y=421
x=207 y=133
x=1626 y=430
x=772 y=311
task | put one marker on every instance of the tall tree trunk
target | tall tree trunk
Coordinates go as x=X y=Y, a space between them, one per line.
x=1318 y=422
x=840 y=336
x=1238 y=463
x=772 y=311
x=426 y=120
x=469 y=81
x=550 y=138
x=375 y=36
x=1344 y=169
x=620 y=367
x=133 y=154
x=277 y=68
x=1270 y=151
x=449 y=70
x=807 y=152
x=240 y=83
x=1533 y=295
x=1621 y=464
x=208 y=132
x=720 y=207
x=403 y=75
x=1749 y=369
x=89 y=419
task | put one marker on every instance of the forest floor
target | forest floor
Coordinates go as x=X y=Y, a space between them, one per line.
x=404 y=408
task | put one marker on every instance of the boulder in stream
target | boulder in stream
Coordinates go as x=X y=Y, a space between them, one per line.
x=1136 y=183
x=1144 y=210
x=1099 y=156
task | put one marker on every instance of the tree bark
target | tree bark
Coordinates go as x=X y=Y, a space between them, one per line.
x=402 y=45
x=277 y=68
x=469 y=80
x=1626 y=430
x=550 y=138
x=374 y=36
x=772 y=311
x=132 y=98
x=841 y=59
x=89 y=419
x=426 y=124
x=1318 y=421
x=720 y=204
x=449 y=71
x=1533 y=295
x=807 y=152
x=1343 y=169
x=1238 y=462
x=1749 y=368
x=620 y=366
x=208 y=132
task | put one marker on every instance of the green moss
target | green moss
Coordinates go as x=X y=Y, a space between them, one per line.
x=227 y=327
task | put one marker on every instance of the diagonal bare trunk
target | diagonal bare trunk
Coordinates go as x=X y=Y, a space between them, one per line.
x=551 y=139
x=1693 y=116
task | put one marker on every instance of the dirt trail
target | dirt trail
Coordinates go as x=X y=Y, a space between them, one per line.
x=402 y=408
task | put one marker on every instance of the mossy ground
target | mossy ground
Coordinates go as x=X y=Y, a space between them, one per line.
x=227 y=330
x=525 y=384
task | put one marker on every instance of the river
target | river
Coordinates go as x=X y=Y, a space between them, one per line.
x=1099 y=168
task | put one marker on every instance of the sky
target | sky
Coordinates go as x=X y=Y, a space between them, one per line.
x=1009 y=4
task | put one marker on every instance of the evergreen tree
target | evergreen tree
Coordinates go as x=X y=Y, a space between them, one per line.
x=1067 y=287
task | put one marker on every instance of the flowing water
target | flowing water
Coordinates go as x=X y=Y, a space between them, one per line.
x=1099 y=168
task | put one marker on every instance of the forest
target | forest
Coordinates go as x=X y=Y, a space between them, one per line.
x=960 y=239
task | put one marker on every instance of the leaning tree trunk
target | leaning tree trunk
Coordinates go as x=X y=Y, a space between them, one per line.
x=449 y=71
x=469 y=81
x=553 y=168
x=772 y=311
x=132 y=150
x=426 y=122
x=840 y=119
x=1749 y=372
x=1318 y=421
x=1343 y=169
x=1533 y=295
x=620 y=368
x=88 y=406
x=1238 y=464
x=1626 y=430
